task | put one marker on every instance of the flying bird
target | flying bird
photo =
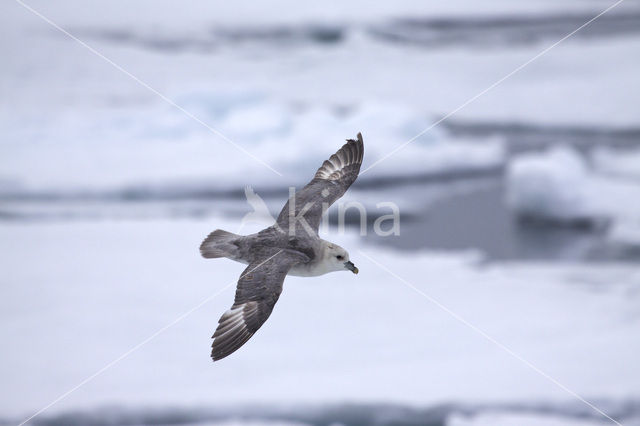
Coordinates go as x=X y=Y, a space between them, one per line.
x=289 y=247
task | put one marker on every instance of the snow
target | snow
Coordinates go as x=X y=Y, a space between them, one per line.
x=136 y=149
x=617 y=162
x=197 y=13
x=501 y=419
x=71 y=120
x=625 y=233
x=552 y=186
x=559 y=186
x=250 y=423
x=75 y=296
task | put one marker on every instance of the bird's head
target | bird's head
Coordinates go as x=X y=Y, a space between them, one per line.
x=338 y=258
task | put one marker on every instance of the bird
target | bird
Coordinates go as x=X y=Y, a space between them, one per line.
x=291 y=246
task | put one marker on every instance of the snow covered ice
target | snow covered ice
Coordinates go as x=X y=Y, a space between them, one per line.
x=552 y=186
x=116 y=295
x=520 y=212
x=560 y=186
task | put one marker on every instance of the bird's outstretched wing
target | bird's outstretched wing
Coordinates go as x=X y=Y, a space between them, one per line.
x=330 y=182
x=257 y=292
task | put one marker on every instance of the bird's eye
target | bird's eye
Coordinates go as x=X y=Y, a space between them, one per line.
x=340 y=257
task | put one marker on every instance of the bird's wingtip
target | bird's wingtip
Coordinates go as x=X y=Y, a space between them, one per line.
x=357 y=139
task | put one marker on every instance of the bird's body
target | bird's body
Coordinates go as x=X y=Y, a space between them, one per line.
x=253 y=247
x=289 y=247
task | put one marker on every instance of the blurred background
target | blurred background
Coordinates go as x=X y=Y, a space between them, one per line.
x=520 y=213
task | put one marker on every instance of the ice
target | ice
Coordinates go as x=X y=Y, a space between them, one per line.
x=130 y=148
x=200 y=12
x=617 y=162
x=71 y=120
x=559 y=186
x=501 y=419
x=625 y=233
x=550 y=186
x=77 y=295
x=250 y=423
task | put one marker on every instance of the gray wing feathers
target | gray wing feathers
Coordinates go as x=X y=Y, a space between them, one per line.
x=330 y=182
x=257 y=292
x=343 y=166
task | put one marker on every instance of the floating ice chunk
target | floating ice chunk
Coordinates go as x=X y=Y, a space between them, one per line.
x=615 y=162
x=558 y=186
x=521 y=419
x=551 y=186
x=625 y=233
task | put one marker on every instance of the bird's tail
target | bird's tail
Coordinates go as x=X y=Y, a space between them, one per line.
x=219 y=243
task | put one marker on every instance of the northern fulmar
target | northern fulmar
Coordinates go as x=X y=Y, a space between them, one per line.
x=289 y=247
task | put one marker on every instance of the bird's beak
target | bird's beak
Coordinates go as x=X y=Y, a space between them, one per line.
x=350 y=266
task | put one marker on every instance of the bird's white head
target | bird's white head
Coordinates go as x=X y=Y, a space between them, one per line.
x=337 y=259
